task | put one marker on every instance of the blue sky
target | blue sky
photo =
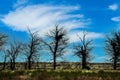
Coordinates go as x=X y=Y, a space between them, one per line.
x=97 y=17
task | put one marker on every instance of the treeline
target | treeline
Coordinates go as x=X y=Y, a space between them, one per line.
x=56 y=42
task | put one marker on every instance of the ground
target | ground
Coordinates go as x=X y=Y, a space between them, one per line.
x=60 y=74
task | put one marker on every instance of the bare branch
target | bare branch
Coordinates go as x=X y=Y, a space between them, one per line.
x=83 y=48
x=57 y=42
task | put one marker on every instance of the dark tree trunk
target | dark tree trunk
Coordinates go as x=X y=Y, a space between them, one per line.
x=29 y=63
x=4 y=64
x=115 y=63
x=84 y=64
x=11 y=64
x=115 y=58
x=25 y=65
x=54 y=64
x=54 y=55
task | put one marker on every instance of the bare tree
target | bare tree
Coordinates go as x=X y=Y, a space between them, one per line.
x=32 y=48
x=5 y=57
x=13 y=51
x=3 y=39
x=82 y=49
x=112 y=46
x=56 y=42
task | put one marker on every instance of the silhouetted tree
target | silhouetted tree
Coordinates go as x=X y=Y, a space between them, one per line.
x=5 y=56
x=56 y=42
x=13 y=51
x=112 y=46
x=3 y=40
x=32 y=48
x=82 y=49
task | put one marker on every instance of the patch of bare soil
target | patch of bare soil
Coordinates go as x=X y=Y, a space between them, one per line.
x=22 y=77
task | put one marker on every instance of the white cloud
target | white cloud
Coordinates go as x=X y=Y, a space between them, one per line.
x=113 y=7
x=90 y=35
x=44 y=17
x=116 y=19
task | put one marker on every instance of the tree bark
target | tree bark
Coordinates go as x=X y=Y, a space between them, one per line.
x=11 y=65
x=29 y=63
x=54 y=55
x=84 y=62
x=54 y=65
x=4 y=64
x=115 y=58
x=115 y=63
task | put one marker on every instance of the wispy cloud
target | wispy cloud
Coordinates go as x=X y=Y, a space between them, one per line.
x=42 y=16
x=116 y=19
x=90 y=35
x=113 y=7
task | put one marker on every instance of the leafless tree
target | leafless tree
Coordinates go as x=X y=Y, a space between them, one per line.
x=3 y=40
x=56 y=42
x=32 y=48
x=5 y=57
x=83 y=49
x=13 y=51
x=112 y=46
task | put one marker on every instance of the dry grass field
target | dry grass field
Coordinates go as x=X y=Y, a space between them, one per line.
x=60 y=74
x=64 y=71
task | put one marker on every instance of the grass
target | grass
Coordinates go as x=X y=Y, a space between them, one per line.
x=60 y=75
